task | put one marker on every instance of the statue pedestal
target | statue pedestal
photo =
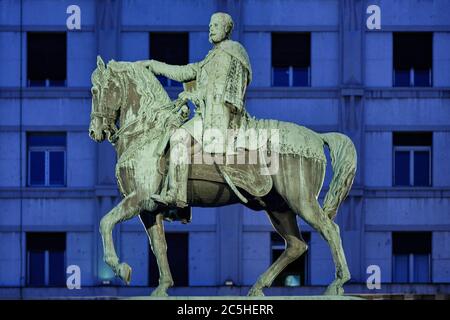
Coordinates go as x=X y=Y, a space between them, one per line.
x=244 y=298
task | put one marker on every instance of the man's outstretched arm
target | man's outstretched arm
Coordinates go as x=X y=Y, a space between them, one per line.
x=177 y=73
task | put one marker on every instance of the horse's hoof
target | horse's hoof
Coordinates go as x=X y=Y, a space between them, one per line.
x=334 y=290
x=124 y=272
x=254 y=292
x=159 y=292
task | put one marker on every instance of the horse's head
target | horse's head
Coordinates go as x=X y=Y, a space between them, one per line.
x=122 y=85
x=106 y=101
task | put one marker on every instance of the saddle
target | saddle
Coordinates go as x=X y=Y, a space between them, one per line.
x=235 y=170
x=246 y=176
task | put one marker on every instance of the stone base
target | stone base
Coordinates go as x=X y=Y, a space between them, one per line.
x=244 y=298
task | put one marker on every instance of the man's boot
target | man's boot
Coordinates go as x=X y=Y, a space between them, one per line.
x=176 y=195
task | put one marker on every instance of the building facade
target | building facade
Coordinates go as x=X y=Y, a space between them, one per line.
x=315 y=63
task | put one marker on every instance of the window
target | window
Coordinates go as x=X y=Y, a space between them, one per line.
x=46 y=59
x=411 y=257
x=178 y=256
x=291 y=59
x=171 y=48
x=412 y=158
x=297 y=272
x=413 y=58
x=46 y=159
x=46 y=259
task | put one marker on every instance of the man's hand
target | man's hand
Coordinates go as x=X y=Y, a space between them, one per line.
x=186 y=96
x=191 y=96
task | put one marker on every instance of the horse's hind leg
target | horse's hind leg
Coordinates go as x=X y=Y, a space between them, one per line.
x=153 y=223
x=126 y=209
x=313 y=214
x=300 y=181
x=285 y=224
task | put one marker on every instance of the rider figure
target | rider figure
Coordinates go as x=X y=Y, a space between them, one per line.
x=218 y=94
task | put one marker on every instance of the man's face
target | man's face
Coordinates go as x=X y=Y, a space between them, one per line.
x=217 y=31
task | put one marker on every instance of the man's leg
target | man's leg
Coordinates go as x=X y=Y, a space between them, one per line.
x=178 y=170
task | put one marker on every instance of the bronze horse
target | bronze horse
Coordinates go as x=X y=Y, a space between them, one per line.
x=128 y=95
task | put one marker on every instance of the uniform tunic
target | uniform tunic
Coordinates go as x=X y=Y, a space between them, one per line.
x=219 y=83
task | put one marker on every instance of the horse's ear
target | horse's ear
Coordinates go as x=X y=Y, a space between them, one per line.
x=111 y=63
x=100 y=63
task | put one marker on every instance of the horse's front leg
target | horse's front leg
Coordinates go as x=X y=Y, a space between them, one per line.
x=126 y=209
x=153 y=223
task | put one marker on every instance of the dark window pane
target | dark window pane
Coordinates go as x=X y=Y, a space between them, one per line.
x=37 y=243
x=281 y=77
x=46 y=139
x=421 y=168
x=54 y=241
x=291 y=50
x=46 y=57
x=36 y=268
x=172 y=48
x=56 y=168
x=413 y=50
x=57 y=270
x=401 y=168
x=300 y=77
x=422 y=78
x=415 y=245
x=401 y=268
x=413 y=138
x=422 y=268
x=402 y=78
x=37 y=168
x=411 y=242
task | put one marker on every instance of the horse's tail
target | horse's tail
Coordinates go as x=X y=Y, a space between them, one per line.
x=343 y=162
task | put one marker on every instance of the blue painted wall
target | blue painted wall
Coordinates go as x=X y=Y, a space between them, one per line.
x=367 y=219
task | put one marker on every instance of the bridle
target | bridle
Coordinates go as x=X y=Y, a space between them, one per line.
x=108 y=120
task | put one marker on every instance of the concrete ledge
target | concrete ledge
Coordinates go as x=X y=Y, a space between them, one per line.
x=245 y=298
x=388 y=291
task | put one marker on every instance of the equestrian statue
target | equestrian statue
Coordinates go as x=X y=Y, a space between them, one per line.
x=169 y=162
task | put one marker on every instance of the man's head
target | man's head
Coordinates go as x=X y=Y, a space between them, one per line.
x=220 y=27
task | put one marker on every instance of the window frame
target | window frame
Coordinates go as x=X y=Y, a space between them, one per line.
x=410 y=276
x=291 y=78
x=412 y=150
x=291 y=67
x=46 y=83
x=46 y=150
x=46 y=252
x=412 y=78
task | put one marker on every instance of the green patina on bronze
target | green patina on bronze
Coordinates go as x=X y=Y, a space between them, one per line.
x=131 y=109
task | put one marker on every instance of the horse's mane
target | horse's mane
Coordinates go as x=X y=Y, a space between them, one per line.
x=154 y=100
x=151 y=91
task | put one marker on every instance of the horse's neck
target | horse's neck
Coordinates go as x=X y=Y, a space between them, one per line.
x=150 y=96
x=127 y=116
x=131 y=109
